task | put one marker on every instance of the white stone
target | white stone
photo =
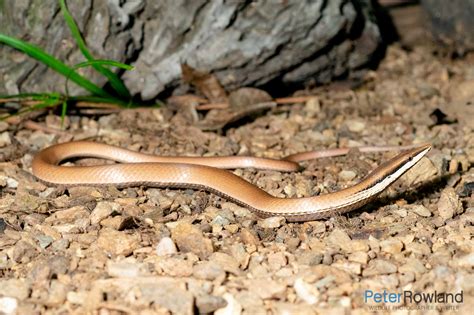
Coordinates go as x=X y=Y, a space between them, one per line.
x=166 y=247
x=421 y=211
x=355 y=125
x=306 y=292
x=8 y=305
x=5 y=139
x=232 y=308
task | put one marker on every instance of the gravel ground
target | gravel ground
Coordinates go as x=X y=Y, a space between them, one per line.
x=160 y=251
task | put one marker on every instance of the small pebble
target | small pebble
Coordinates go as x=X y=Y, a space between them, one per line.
x=421 y=210
x=166 y=247
x=402 y=213
x=3 y=125
x=351 y=267
x=189 y=238
x=3 y=260
x=449 y=204
x=5 y=139
x=8 y=305
x=271 y=222
x=339 y=239
x=15 y=288
x=11 y=182
x=418 y=248
x=346 y=175
x=391 y=246
x=359 y=257
x=249 y=237
x=117 y=243
x=209 y=303
x=44 y=240
x=266 y=288
x=3 y=225
x=220 y=220
x=232 y=228
x=313 y=105
x=78 y=298
x=232 y=308
x=123 y=269
x=379 y=267
x=355 y=125
x=176 y=266
x=208 y=271
x=466 y=261
x=102 y=210
x=60 y=245
x=306 y=292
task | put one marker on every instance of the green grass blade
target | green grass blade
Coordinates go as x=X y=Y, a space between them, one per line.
x=63 y=113
x=46 y=104
x=98 y=99
x=98 y=61
x=58 y=66
x=29 y=96
x=45 y=100
x=103 y=62
x=114 y=80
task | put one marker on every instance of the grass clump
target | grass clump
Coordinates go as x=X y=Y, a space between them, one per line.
x=119 y=93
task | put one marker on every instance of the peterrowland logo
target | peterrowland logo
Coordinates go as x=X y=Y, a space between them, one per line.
x=413 y=300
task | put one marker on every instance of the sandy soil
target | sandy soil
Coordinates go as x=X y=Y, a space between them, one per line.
x=148 y=250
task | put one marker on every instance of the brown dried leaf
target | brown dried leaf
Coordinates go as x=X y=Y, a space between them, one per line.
x=206 y=83
x=247 y=97
x=219 y=118
x=186 y=105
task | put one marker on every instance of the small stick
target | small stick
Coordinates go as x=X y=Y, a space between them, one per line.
x=294 y=99
x=281 y=100
x=29 y=124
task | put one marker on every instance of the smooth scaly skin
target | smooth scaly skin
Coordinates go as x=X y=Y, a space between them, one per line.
x=192 y=172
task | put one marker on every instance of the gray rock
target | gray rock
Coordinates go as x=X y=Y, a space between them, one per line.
x=379 y=267
x=310 y=258
x=125 y=269
x=102 y=210
x=243 y=43
x=44 y=240
x=339 y=239
x=14 y=288
x=391 y=246
x=208 y=270
x=266 y=288
x=232 y=307
x=189 y=238
x=347 y=175
x=451 y=23
x=166 y=292
x=271 y=222
x=421 y=210
x=448 y=203
x=117 y=243
x=209 y=303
